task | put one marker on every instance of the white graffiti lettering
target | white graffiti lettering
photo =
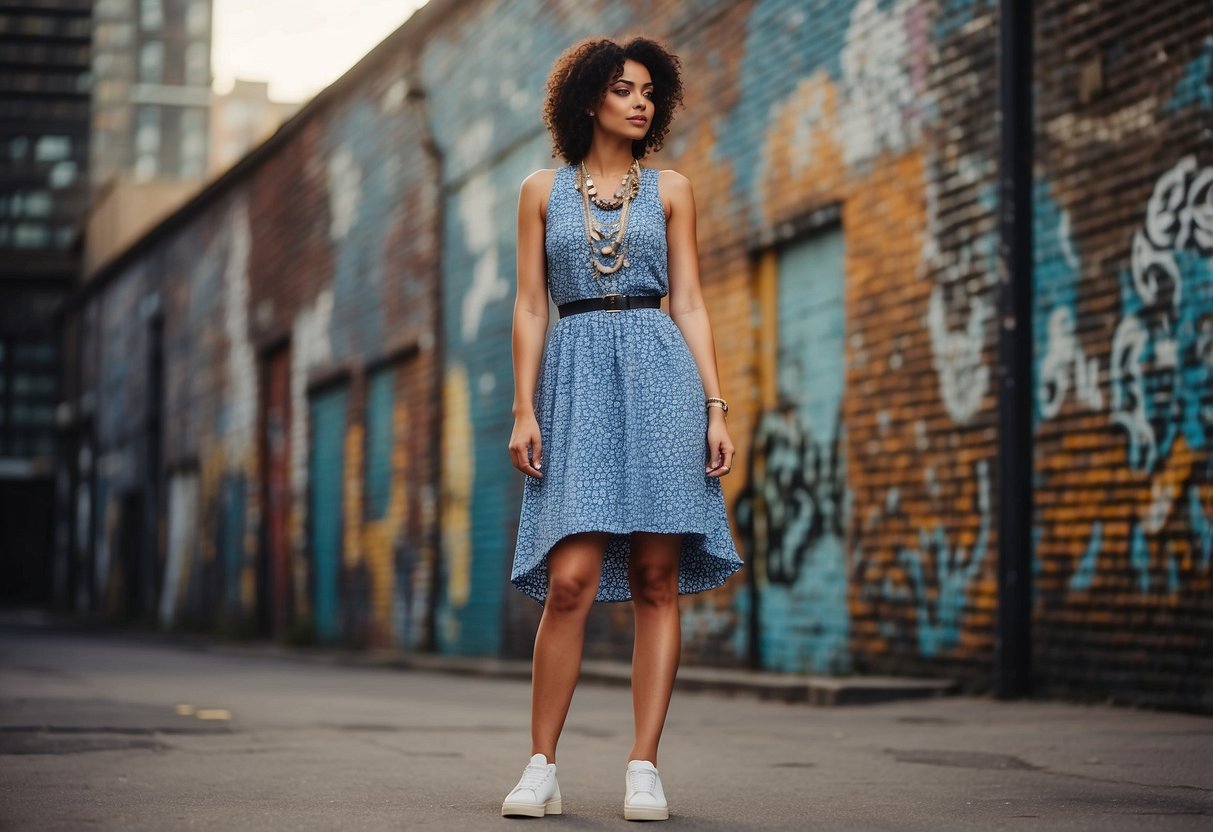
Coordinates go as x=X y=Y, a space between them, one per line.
x=1064 y=362
x=956 y=357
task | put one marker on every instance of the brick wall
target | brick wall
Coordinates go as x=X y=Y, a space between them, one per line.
x=844 y=160
x=321 y=255
x=1123 y=331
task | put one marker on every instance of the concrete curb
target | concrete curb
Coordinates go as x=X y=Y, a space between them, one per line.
x=824 y=691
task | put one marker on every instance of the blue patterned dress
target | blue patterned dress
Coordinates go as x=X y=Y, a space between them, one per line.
x=619 y=402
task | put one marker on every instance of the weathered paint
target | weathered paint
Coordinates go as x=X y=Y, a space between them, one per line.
x=379 y=430
x=182 y=531
x=327 y=414
x=275 y=513
x=791 y=511
x=879 y=113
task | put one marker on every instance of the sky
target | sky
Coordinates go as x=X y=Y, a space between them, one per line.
x=299 y=46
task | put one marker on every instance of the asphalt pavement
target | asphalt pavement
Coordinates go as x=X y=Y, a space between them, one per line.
x=114 y=730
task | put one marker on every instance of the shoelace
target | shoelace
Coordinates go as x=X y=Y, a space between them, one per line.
x=642 y=780
x=533 y=777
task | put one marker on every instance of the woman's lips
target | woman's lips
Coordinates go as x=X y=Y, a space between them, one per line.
x=638 y=120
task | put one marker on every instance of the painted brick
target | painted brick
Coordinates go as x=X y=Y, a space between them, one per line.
x=388 y=270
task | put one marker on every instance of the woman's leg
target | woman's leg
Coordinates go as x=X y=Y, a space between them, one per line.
x=574 y=567
x=653 y=575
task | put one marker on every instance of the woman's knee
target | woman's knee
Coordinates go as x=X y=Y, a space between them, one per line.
x=569 y=592
x=654 y=585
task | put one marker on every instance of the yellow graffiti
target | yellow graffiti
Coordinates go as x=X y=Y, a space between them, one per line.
x=380 y=536
x=458 y=469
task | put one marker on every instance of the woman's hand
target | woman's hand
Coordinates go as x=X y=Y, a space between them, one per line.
x=526 y=437
x=720 y=446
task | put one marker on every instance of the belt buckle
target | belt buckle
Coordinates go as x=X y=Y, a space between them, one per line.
x=611 y=306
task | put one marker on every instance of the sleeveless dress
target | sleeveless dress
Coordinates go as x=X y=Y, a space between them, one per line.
x=619 y=402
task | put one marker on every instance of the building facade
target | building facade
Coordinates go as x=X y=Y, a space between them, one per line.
x=45 y=52
x=151 y=99
x=315 y=348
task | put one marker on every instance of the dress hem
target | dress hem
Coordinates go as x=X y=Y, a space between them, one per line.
x=713 y=579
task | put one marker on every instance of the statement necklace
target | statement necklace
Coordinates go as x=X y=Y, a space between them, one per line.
x=607 y=248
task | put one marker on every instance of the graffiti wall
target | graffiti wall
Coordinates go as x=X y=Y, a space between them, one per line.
x=298 y=312
x=1124 y=377
x=332 y=323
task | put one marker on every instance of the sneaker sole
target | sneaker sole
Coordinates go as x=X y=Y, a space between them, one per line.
x=645 y=813
x=530 y=810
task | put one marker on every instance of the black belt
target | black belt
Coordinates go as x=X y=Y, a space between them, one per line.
x=610 y=303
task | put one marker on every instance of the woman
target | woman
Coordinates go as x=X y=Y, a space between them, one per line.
x=611 y=417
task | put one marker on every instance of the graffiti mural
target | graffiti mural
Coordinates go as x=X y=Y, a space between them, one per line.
x=1161 y=374
x=790 y=512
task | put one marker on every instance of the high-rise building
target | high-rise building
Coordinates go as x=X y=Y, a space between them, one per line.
x=151 y=102
x=151 y=117
x=45 y=85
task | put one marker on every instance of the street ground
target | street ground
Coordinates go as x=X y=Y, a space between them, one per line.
x=106 y=730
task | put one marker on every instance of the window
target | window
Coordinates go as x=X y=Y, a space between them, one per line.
x=37 y=204
x=147 y=143
x=18 y=146
x=198 y=17
x=62 y=175
x=193 y=142
x=31 y=235
x=53 y=148
x=147 y=135
x=197 y=73
x=151 y=62
x=151 y=14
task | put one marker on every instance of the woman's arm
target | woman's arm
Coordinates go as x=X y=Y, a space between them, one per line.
x=530 y=322
x=688 y=311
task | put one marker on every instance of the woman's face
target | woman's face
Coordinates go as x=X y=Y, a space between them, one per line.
x=627 y=107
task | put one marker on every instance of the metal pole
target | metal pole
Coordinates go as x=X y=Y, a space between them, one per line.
x=1013 y=640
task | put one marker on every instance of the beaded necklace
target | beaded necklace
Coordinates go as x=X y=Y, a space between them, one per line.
x=606 y=240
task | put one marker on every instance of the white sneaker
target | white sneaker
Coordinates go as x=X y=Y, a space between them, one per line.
x=644 y=798
x=537 y=793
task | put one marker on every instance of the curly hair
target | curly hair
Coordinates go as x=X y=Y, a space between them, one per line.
x=580 y=77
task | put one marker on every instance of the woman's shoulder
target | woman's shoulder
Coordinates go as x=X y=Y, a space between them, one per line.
x=671 y=177
x=540 y=179
x=673 y=189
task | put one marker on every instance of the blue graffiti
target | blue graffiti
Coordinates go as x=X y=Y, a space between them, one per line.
x=791 y=511
x=939 y=627
x=1202 y=527
x=1195 y=86
x=360 y=141
x=784 y=44
x=1161 y=367
x=379 y=442
x=1084 y=575
x=1055 y=281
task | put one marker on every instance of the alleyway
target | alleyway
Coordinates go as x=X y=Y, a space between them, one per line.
x=92 y=738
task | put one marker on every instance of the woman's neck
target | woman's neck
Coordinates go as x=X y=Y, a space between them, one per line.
x=608 y=161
